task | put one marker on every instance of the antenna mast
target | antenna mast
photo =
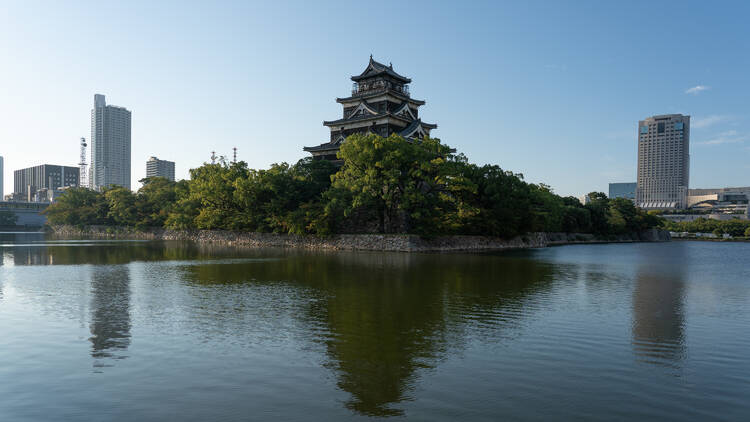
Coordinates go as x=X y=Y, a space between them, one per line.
x=82 y=166
x=234 y=160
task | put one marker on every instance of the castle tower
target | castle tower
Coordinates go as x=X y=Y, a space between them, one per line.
x=381 y=104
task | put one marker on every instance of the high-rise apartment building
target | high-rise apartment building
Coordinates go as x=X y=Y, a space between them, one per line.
x=663 y=162
x=110 y=145
x=28 y=181
x=160 y=168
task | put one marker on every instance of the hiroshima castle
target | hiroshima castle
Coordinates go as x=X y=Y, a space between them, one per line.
x=380 y=103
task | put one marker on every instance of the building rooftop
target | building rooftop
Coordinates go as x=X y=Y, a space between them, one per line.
x=376 y=69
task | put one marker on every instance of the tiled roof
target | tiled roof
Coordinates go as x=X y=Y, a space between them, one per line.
x=374 y=69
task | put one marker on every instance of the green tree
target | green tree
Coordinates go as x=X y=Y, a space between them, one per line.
x=121 y=204
x=79 y=206
x=598 y=206
x=408 y=184
x=498 y=205
x=212 y=186
x=284 y=198
x=182 y=214
x=546 y=209
x=154 y=201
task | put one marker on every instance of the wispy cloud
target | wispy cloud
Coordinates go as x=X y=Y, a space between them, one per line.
x=701 y=122
x=728 y=137
x=697 y=89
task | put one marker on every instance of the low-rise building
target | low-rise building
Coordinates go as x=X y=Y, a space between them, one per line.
x=623 y=190
x=732 y=201
x=27 y=182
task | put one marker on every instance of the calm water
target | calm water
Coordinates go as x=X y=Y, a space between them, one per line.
x=122 y=331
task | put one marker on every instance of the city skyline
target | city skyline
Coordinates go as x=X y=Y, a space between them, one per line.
x=503 y=91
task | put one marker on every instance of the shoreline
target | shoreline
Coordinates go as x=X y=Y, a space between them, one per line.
x=708 y=239
x=362 y=242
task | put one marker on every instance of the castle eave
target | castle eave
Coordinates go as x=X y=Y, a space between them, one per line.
x=358 y=119
x=376 y=93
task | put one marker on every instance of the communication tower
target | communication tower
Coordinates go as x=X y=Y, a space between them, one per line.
x=82 y=166
x=234 y=159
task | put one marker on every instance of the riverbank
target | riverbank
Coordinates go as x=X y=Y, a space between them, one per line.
x=710 y=239
x=371 y=242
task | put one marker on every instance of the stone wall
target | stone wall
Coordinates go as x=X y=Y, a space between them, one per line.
x=373 y=242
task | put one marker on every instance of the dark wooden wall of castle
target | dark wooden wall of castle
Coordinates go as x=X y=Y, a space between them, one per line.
x=381 y=107
x=382 y=130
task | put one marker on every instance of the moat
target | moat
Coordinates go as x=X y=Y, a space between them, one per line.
x=151 y=330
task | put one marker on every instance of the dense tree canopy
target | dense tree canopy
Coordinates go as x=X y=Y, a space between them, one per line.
x=385 y=185
x=734 y=227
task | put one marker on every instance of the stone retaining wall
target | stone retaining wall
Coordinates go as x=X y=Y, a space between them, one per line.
x=373 y=242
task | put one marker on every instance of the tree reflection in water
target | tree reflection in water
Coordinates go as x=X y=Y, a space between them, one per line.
x=380 y=318
x=389 y=315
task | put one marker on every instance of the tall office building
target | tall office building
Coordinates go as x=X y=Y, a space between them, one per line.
x=2 y=194
x=160 y=168
x=28 y=181
x=110 y=145
x=663 y=162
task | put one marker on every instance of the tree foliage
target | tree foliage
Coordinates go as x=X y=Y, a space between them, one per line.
x=735 y=227
x=385 y=185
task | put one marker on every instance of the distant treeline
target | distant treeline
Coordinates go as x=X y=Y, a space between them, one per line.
x=386 y=185
x=735 y=228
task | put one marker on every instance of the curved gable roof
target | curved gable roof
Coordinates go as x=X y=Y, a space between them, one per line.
x=375 y=69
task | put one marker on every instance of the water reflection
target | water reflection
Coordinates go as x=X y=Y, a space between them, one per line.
x=37 y=251
x=384 y=317
x=658 y=314
x=110 y=313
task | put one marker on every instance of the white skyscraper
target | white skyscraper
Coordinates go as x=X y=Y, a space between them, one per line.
x=110 y=145
x=663 y=162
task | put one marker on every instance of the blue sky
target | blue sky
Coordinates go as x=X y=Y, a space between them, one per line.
x=552 y=90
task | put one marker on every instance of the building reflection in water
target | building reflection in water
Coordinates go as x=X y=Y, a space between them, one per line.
x=382 y=318
x=110 y=313
x=658 y=308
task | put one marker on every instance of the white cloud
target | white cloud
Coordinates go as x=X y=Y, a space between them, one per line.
x=707 y=121
x=697 y=89
x=728 y=137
